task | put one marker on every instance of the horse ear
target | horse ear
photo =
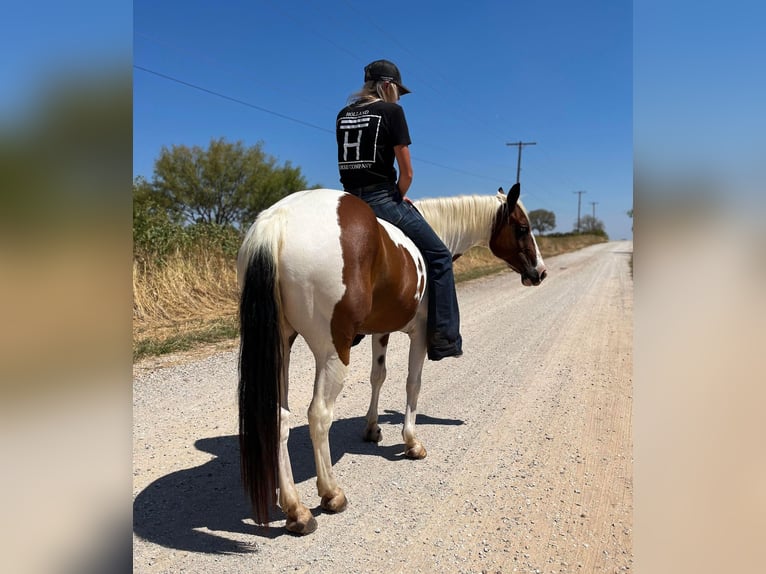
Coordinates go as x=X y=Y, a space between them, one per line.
x=500 y=190
x=514 y=193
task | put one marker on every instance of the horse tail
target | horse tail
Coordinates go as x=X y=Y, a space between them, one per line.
x=260 y=370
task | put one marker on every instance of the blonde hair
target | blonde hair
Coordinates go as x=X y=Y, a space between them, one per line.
x=374 y=91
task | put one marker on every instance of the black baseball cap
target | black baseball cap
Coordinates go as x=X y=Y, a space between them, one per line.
x=386 y=71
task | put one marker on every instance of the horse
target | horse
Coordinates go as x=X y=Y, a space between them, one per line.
x=319 y=264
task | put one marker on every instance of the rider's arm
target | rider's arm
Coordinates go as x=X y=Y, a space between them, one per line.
x=402 y=153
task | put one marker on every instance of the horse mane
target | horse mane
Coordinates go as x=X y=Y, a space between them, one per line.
x=462 y=221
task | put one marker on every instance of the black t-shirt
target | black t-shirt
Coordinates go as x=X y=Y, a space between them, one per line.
x=366 y=136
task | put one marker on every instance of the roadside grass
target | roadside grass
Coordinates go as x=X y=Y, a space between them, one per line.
x=212 y=331
x=182 y=302
x=190 y=300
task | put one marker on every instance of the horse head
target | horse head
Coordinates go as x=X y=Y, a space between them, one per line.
x=513 y=242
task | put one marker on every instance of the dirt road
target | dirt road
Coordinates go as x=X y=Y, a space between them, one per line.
x=528 y=435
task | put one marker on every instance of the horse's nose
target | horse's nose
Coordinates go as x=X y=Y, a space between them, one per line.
x=544 y=274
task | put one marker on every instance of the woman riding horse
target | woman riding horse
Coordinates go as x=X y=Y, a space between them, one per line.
x=371 y=132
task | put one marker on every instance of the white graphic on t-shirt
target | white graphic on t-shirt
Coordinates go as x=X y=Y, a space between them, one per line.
x=347 y=145
x=360 y=134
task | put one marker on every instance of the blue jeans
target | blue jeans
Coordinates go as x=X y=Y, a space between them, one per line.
x=443 y=312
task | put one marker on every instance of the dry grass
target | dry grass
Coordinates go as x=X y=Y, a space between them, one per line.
x=477 y=262
x=191 y=300
x=550 y=246
x=188 y=299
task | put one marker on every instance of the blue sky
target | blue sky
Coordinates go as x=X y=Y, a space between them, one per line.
x=482 y=74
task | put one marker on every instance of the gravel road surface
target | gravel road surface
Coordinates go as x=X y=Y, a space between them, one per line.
x=528 y=436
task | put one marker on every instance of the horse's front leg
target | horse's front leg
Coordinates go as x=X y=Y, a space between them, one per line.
x=372 y=432
x=413 y=447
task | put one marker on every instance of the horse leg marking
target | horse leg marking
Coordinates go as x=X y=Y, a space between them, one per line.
x=372 y=432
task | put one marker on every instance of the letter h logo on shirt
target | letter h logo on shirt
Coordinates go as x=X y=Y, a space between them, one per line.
x=360 y=136
x=347 y=144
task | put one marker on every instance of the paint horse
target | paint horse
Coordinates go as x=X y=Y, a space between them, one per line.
x=319 y=264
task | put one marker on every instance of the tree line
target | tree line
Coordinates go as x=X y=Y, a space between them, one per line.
x=544 y=221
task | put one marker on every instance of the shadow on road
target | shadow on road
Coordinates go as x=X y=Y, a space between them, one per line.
x=171 y=509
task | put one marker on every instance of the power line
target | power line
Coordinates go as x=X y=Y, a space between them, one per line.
x=285 y=14
x=219 y=65
x=289 y=118
x=390 y=38
x=229 y=98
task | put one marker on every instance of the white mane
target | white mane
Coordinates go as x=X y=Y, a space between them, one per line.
x=462 y=221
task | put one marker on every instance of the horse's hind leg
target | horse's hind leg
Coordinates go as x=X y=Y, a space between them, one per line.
x=329 y=381
x=377 y=375
x=299 y=518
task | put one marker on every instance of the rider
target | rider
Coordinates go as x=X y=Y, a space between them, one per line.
x=371 y=132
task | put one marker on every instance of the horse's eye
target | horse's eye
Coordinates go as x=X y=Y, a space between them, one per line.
x=522 y=230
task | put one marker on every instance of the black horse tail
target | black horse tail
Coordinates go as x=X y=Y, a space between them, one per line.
x=260 y=370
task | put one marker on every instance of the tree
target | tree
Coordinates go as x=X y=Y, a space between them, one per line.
x=590 y=224
x=225 y=184
x=542 y=220
x=148 y=205
x=154 y=232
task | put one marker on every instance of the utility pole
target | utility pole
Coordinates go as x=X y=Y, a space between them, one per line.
x=520 y=144
x=593 y=203
x=579 y=197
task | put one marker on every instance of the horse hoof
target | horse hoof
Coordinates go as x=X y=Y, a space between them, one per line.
x=302 y=528
x=416 y=452
x=336 y=503
x=373 y=435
